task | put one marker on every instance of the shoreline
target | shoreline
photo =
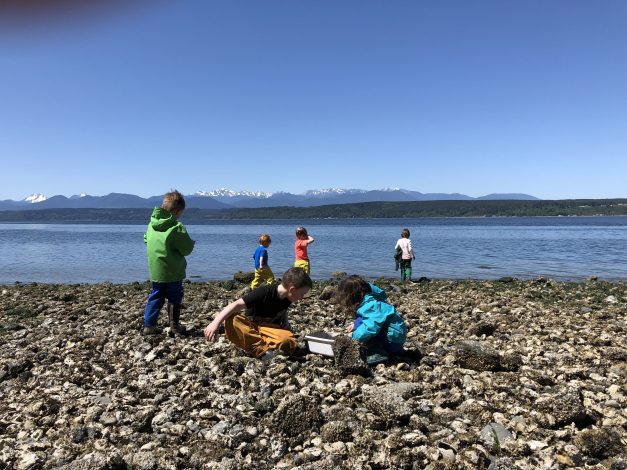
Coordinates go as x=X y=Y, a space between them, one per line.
x=540 y=364
x=331 y=280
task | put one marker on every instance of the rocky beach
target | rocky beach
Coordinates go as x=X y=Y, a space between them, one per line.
x=505 y=374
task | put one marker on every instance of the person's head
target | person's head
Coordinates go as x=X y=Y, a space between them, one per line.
x=405 y=233
x=351 y=292
x=301 y=233
x=174 y=203
x=297 y=283
x=265 y=240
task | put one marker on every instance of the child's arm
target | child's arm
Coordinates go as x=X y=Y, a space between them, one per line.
x=184 y=243
x=211 y=331
x=310 y=240
x=369 y=328
x=373 y=319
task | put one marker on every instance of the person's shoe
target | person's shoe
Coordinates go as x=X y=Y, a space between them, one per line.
x=376 y=358
x=300 y=351
x=152 y=330
x=272 y=353
x=376 y=354
x=174 y=316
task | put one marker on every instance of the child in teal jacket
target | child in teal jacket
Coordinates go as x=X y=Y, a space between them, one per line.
x=377 y=323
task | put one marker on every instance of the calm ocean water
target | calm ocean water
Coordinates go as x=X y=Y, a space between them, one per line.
x=567 y=248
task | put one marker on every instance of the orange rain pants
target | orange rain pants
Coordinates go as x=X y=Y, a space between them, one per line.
x=257 y=338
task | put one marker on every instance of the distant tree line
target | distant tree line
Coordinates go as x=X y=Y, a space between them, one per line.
x=366 y=210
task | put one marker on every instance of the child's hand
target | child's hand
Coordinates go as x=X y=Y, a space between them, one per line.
x=350 y=328
x=211 y=331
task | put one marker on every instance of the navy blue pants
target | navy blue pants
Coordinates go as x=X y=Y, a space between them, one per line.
x=173 y=291
x=381 y=339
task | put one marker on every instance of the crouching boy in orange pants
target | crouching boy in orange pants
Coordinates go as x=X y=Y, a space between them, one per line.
x=263 y=328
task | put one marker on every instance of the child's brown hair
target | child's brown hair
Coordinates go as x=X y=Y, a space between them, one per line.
x=173 y=202
x=351 y=292
x=405 y=233
x=301 y=232
x=296 y=277
x=265 y=239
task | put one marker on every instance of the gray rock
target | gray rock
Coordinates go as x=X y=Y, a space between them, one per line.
x=96 y=461
x=82 y=433
x=108 y=419
x=244 y=277
x=350 y=356
x=477 y=355
x=29 y=461
x=327 y=293
x=564 y=404
x=494 y=435
x=405 y=390
x=599 y=443
x=335 y=431
x=483 y=327
x=297 y=414
x=386 y=403
x=143 y=420
x=503 y=463
x=13 y=369
x=511 y=362
x=142 y=461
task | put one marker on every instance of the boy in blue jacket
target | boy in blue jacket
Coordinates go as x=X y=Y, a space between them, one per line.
x=377 y=323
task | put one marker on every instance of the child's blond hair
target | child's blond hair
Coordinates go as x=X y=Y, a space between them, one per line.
x=265 y=239
x=173 y=202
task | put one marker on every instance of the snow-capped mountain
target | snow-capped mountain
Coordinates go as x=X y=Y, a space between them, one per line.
x=36 y=197
x=223 y=192
x=332 y=192
x=317 y=197
x=226 y=199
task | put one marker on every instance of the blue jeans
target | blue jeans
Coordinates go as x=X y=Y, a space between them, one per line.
x=173 y=291
x=381 y=339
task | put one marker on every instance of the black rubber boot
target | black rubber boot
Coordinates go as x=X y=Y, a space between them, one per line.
x=152 y=330
x=174 y=316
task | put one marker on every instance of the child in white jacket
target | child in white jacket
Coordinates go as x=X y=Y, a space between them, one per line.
x=404 y=243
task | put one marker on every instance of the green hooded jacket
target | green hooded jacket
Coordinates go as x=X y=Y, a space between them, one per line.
x=167 y=245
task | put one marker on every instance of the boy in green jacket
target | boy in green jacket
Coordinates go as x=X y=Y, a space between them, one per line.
x=167 y=245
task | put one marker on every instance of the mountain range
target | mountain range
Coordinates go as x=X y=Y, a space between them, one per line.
x=227 y=199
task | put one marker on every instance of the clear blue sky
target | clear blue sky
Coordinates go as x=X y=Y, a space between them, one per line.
x=435 y=96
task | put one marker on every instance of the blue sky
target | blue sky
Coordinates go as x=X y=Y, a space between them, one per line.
x=461 y=96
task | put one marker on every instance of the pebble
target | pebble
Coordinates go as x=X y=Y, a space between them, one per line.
x=536 y=445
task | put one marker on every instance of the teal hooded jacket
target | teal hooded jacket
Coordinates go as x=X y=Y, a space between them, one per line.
x=377 y=314
x=167 y=245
